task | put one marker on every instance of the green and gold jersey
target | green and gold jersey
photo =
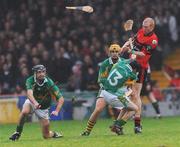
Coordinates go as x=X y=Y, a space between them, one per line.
x=104 y=70
x=44 y=94
x=118 y=75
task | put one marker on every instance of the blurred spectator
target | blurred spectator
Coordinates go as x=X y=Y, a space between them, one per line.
x=46 y=62
x=157 y=55
x=157 y=92
x=61 y=67
x=6 y=79
x=85 y=48
x=20 y=82
x=173 y=92
x=75 y=80
x=172 y=24
x=174 y=80
x=90 y=80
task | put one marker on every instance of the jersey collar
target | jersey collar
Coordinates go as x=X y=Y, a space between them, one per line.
x=149 y=34
x=45 y=80
x=111 y=62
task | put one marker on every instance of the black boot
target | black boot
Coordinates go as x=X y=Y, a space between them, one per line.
x=15 y=136
x=138 y=130
x=85 y=133
x=57 y=135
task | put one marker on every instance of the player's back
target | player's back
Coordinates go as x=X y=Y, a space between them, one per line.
x=118 y=75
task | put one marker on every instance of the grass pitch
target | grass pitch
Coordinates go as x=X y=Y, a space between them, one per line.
x=156 y=133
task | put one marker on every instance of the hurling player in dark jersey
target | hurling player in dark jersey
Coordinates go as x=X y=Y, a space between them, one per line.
x=145 y=42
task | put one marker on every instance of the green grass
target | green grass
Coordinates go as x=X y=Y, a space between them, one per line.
x=156 y=133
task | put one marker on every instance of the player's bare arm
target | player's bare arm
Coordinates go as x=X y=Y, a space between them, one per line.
x=127 y=47
x=58 y=107
x=32 y=99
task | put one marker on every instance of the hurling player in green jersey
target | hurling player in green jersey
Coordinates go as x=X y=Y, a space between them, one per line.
x=41 y=91
x=115 y=89
x=114 y=51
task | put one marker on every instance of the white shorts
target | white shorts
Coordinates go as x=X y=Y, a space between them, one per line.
x=113 y=100
x=40 y=113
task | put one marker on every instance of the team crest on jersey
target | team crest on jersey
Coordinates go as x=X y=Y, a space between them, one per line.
x=154 y=42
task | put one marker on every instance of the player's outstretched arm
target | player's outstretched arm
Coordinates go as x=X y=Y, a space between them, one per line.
x=138 y=53
x=58 y=107
x=32 y=99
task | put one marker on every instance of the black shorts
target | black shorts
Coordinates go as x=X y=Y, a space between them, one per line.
x=147 y=85
x=144 y=90
x=142 y=73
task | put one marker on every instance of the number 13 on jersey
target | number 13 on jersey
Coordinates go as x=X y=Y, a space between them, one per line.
x=113 y=77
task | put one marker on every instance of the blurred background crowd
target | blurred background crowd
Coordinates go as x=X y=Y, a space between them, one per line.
x=72 y=43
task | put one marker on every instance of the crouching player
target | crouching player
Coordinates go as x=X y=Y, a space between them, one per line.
x=40 y=91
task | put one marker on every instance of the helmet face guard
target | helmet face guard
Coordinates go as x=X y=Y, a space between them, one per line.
x=39 y=79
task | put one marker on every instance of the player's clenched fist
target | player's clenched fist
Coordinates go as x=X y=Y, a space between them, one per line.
x=55 y=113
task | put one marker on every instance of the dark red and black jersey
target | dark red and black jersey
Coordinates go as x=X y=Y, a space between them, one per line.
x=145 y=44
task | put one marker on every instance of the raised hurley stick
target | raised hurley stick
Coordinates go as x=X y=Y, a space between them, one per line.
x=128 y=25
x=87 y=9
x=128 y=28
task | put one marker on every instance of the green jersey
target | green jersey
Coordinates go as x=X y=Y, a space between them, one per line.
x=45 y=93
x=118 y=75
x=104 y=70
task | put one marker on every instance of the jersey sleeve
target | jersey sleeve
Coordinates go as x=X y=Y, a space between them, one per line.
x=127 y=61
x=132 y=76
x=29 y=83
x=54 y=90
x=152 y=45
x=103 y=73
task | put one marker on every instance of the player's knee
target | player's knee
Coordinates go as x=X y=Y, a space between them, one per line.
x=135 y=97
x=135 y=108
x=24 y=112
x=133 y=94
x=99 y=106
x=139 y=104
x=98 y=109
